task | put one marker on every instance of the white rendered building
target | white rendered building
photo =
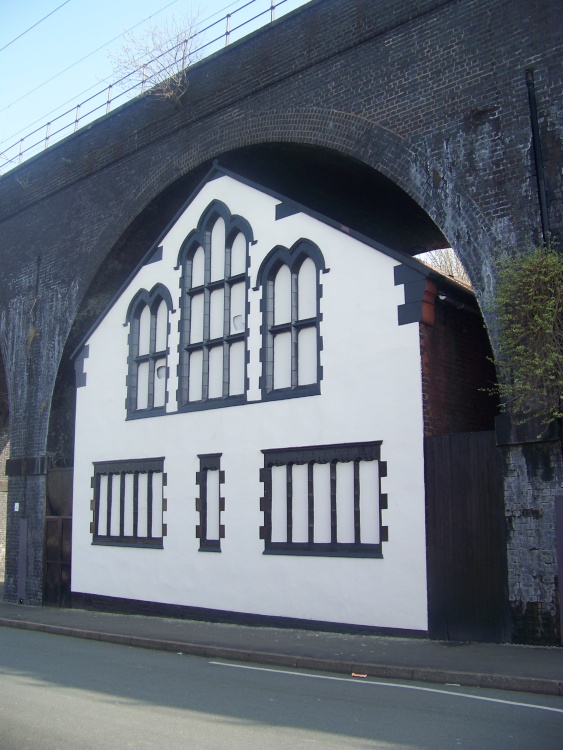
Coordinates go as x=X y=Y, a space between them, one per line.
x=249 y=425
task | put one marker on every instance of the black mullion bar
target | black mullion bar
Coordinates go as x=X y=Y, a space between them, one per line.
x=205 y=342
x=97 y=505
x=280 y=328
x=109 y=500
x=203 y=504
x=150 y=393
x=149 y=504
x=134 y=364
x=226 y=315
x=294 y=331
x=152 y=348
x=206 y=314
x=122 y=504
x=289 y=501
x=311 y=502
x=357 y=519
x=136 y=504
x=333 y=537
x=268 y=504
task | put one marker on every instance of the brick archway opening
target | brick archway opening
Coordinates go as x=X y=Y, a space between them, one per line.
x=4 y=455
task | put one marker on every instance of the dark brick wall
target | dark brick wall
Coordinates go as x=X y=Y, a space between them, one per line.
x=532 y=480
x=4 y=453
x=456 y=371
x=429 y=93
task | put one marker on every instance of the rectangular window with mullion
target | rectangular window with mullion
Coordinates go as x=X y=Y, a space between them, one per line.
x=324 y=500
x=128 y=503
x=210 y=504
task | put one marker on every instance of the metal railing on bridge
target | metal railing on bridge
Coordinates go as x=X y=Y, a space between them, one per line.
x=227 y=29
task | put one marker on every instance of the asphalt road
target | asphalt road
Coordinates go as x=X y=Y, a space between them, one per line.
x=59 y=692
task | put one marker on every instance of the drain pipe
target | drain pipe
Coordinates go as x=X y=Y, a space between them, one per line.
x=538 y=158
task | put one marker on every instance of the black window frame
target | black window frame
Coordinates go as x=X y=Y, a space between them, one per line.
x=148 y=466
x=201 y=237
x=158 y=294
x=322 y=454
x=208 y=462
x=293 y=258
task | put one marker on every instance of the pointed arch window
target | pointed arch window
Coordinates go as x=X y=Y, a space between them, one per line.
x=291 y=340
x=213 y=326
x=147 y=375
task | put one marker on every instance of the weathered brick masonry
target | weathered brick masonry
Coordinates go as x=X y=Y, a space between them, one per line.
x=458 y=376
x=430 y=94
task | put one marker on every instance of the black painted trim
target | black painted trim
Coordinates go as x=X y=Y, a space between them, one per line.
x=409 y=313
x=129 y=466
x=201 y=238
x=322 y=454
x=98 y=603
x=208 y=462
x=129 y=541
x=151 y=300
x=154 y=257
x=323 y=550
x=80 y=375
x=293 y=259
x=285 y=209
x=28 y=466
x=135 y=466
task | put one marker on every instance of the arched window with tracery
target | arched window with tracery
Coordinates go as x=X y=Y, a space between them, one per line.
x=291 y=340
x=213 y=326
x=147 y=376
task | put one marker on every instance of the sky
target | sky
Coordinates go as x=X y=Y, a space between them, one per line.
x=54 y=53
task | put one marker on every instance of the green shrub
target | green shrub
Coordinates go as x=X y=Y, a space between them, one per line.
x=529 y=314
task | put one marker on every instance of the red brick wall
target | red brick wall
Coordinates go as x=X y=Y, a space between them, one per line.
x=456 y=368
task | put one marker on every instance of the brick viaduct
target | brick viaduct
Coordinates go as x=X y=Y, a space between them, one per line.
x=409 y=120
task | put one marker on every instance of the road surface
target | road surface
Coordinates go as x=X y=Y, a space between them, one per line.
x=59 y=692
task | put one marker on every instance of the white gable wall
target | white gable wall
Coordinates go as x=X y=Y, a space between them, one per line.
x=370 y=390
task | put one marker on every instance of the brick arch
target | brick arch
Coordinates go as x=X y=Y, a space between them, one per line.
x=430 y=184
x=4 y=454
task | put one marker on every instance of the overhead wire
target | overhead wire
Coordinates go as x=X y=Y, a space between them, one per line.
x=74 y=64
x=98 y=49
x=34 y=25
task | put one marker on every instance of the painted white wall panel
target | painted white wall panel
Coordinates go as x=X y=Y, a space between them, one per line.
x=238 y=255
x=345 y=503
x=236 y=369
x=142 y=384
x=307 y=290
x=371 y=390
x=198 y=268
x=279 y=504
x=307 y=356
x=321 y=503
x=282 y=360
x=196 y=319
x=196 y=376
x=369 y=513
x=300 y=503
x=145 y=331
x=282 y=296
x=218 y=250
x=213 y=505
x=216 y=313
x=216 y=372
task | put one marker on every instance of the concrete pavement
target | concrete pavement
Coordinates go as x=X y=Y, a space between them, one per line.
x=532 y=669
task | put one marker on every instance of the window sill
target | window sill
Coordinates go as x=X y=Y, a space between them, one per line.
x=129 y=542
x=325 y=550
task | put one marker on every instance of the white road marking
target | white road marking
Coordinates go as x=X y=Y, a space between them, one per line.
x=390 y=684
